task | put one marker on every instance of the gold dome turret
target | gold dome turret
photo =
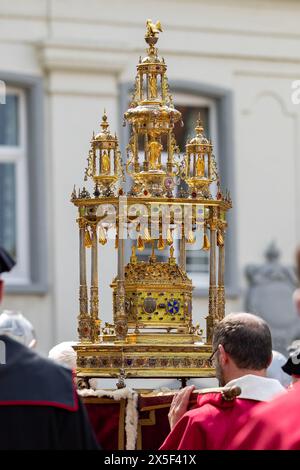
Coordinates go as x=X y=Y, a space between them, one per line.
x=152 y=116
x=104 y=161
x=199 y=166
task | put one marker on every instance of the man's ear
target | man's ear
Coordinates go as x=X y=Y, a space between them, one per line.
x=223 y=356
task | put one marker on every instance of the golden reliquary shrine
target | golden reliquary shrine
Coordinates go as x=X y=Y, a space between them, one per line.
x=153 y=200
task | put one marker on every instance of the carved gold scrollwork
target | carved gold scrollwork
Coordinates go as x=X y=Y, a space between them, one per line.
x=90 y=166
x=213 y=169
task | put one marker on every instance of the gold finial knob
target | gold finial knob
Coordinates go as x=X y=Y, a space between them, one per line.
x=104 y=124
x=199 y=125
x=152 y=30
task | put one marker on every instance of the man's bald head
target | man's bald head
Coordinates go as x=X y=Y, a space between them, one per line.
x=246 y=338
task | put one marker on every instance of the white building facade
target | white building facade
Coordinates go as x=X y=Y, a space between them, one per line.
x=64 y=61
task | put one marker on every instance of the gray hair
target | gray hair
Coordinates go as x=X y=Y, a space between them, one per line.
x=15 y=325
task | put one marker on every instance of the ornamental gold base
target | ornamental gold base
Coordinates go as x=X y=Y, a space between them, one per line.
x=111 y=360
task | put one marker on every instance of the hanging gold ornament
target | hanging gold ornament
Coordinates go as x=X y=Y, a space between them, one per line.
x=140 y=244
x=102 y=235
x=191 y=237
x=147 y=236
x=169 y=237
x=220 y=239
x=206 y=243
x=87 y=239
x=160 y=243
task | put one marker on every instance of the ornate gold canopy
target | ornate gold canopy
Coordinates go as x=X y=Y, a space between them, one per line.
x=152 y=332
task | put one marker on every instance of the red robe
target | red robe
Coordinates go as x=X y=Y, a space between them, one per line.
x=272 y=426
x=210 y=425
x=215 y=421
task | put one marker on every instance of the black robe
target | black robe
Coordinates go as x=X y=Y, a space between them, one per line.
x=39 y=405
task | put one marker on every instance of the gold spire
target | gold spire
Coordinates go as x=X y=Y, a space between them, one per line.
x=199 y=125
x=152 y=258
x=104 y=124
x=133 y=258
x=172 y=259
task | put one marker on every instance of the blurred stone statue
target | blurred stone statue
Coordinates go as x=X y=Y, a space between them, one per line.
x=270 y=295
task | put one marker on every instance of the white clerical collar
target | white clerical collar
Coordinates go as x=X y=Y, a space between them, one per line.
x=257 y=388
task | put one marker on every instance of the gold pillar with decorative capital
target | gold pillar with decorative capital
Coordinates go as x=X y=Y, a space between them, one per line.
x=221 y=274
x=84 y=320
x=94 y=296
x=213 y=290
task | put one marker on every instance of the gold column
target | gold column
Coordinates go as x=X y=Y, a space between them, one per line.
x=208 y=165
x=136 y=150
x=146 y=153
x=94 y=296
x=213 y=290
x=121 y=326
x=100 y=162
x=182 y=251
x=94 y=158
x=221 y=273
x=140 y=86
x=170 y=152
x=84 y=323
x=147 y=86
x=194 y=164
x=115 y=155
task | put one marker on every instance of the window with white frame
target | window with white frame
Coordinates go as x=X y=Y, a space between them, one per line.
x=14 y=184
x=190 y=105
